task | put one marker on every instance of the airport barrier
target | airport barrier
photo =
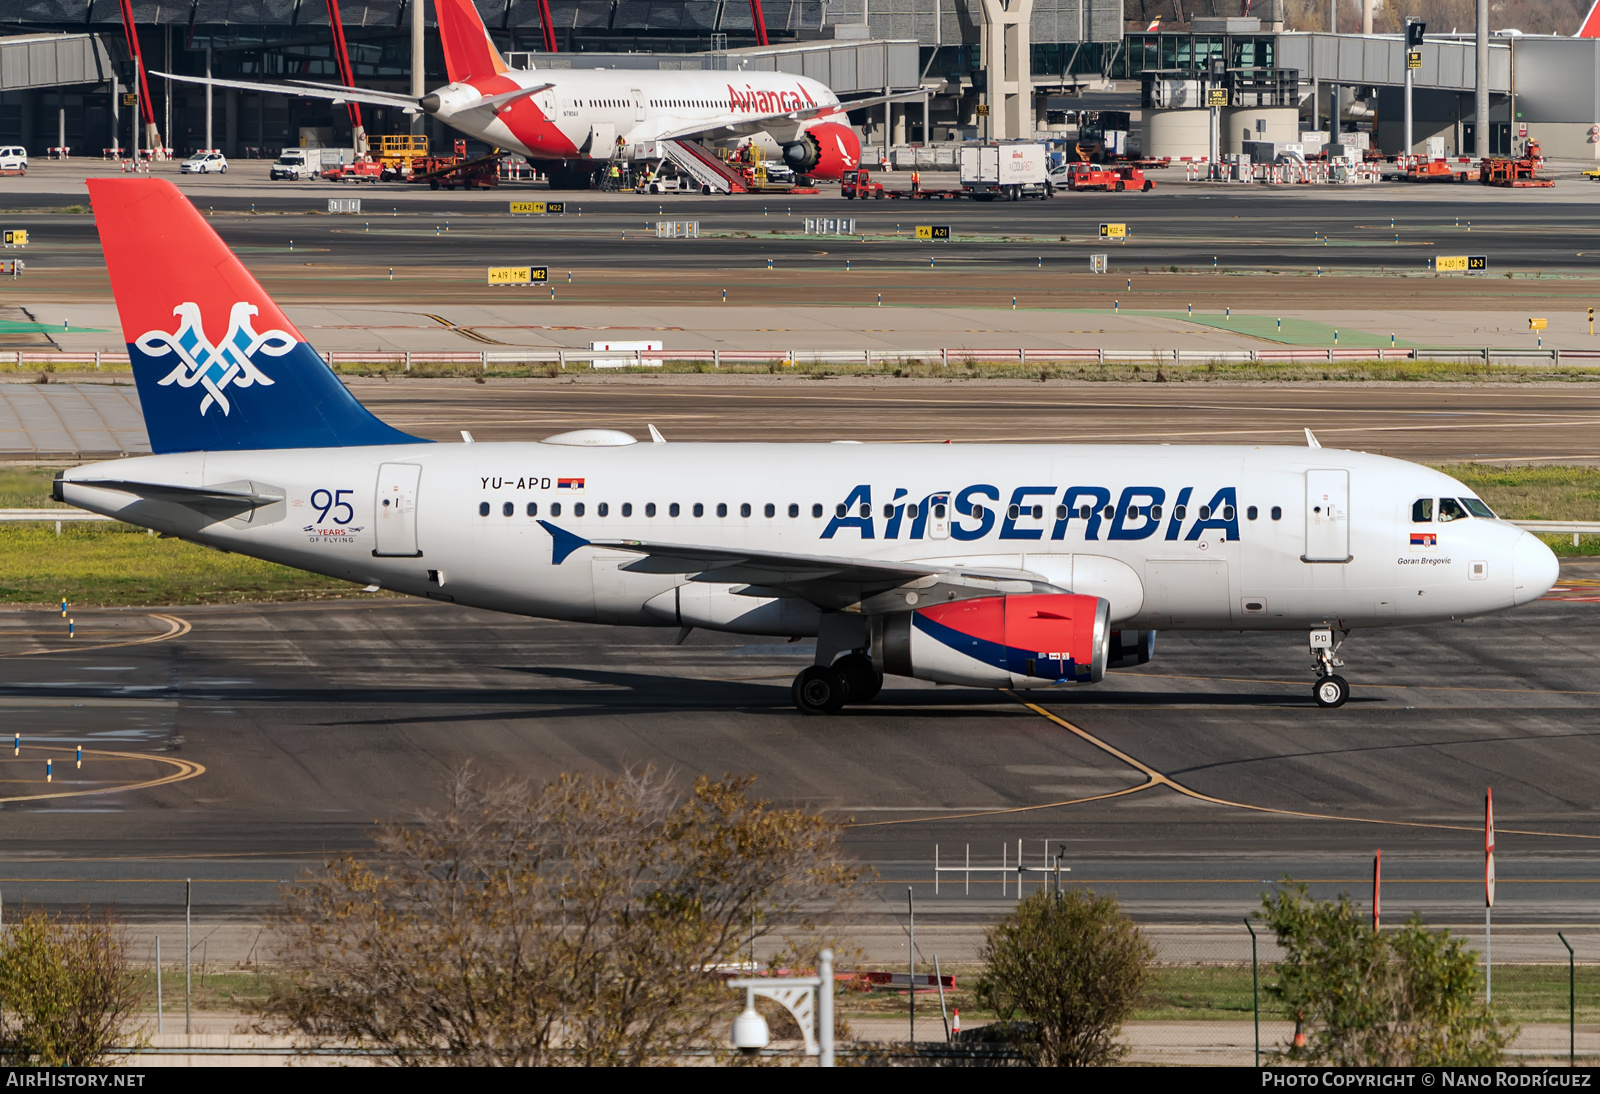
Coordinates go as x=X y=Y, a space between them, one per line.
x=871 y=358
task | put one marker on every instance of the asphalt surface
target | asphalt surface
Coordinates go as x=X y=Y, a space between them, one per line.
x=1190 y=225
x=1429 y=423
x=312 y=720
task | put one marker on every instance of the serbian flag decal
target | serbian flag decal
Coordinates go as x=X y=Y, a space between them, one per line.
x=571 y=486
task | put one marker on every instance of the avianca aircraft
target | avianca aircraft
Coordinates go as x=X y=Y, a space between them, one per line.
x=575 y=117
x=1018 y=566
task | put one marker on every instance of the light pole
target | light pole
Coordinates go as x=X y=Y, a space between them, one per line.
x=808 y=998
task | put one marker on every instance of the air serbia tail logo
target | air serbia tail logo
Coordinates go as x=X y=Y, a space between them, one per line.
x=216 y=368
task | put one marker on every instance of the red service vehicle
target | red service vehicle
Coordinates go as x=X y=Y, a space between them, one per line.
x=1091 y=176
x=359 y=171
x=859 y=184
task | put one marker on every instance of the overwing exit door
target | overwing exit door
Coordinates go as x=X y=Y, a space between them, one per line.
x=1327 y=516
x=395 y=525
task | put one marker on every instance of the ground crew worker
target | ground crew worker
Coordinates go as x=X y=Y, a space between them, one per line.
x=916 y=180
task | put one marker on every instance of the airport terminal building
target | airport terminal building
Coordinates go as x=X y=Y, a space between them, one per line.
x=66 y=73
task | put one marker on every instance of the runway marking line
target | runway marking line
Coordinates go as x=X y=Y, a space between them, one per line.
x=186 y=769
x=176 y=628
x=1154 y=778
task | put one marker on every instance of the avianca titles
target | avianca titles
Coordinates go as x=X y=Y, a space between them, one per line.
x=574 y=118
x=997 y=565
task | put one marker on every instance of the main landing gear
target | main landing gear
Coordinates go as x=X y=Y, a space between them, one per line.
x=823 y=689
x=1331 y=689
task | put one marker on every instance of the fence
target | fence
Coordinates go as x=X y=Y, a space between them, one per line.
x=871 y=358
x=1209 y=1001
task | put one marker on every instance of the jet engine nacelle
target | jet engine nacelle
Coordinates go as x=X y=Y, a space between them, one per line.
x=1026 y=641
x=1131 y=648
x=824 y=151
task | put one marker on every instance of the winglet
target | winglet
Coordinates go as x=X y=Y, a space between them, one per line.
x=1311 y=439
x=562 y=542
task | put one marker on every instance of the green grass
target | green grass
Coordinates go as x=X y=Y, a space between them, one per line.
x=1524 y=993
x=1538 y=493
x=233 y=991
x=27 y=488
x=117 y=565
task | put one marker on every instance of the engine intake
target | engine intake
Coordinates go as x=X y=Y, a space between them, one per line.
x=825 y=151
x=1026 y=641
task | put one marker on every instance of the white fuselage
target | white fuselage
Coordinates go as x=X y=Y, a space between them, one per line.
x=588 y=110
x=1282 y=561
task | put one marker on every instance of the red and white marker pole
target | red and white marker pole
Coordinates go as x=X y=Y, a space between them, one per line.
x=1488 y=893
x=1377 y=888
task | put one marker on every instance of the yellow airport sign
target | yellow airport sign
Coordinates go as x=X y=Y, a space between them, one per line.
x=1450 y=264
x=1113 y=231
x=1217 y=96
x=528 y=208
x=1414 y=58
x=933 y=231
x=1538 y=324
x=518 y=275
x=16 y=237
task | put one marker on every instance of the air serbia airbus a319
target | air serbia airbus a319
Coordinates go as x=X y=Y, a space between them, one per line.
x=1017 y=566
x=571 y=120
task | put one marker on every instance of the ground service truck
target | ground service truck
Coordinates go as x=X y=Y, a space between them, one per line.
x=1009 y=171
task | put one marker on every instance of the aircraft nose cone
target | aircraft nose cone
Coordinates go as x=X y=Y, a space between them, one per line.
x=1534 y=569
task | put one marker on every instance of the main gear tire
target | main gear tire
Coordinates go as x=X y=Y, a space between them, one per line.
x=862 y=680
x=819 y=689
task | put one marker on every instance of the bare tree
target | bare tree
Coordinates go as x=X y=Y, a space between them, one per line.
x=67 y=990
x=582 y=922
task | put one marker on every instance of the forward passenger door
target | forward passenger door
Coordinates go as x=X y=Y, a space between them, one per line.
x=1327 y=516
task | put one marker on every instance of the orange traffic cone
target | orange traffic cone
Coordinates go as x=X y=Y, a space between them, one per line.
x=955 y=1026
x=1299 y=1033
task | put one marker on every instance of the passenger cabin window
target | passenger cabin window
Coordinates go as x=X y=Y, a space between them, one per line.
x=699 y=509
x=1450 y=509
x=770 y=510
x=816 y=511
x=938 y=511
x=1250 y=513
x=1180 y=512
x=1155 y=512
x=866 y=510
x=577 y=508
x=627 y=508
x=1422 y=511
x=912 y=511
x=649 y=508
x=1205 y=512
x=555 y=509
x=603 y=509
x=508 y=508
x=533 y=508
x=1477 y=508
x=744 y=509
x=722 y=508
x=1277 y=512
x=794 y=510
x=483 y=509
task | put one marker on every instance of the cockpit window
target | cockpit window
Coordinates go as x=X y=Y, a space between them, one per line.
x=1422 y=511
x=1450 y=509
x=1477 y=508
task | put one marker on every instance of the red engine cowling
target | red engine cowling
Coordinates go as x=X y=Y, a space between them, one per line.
x=1033 y=640
x=824 y=151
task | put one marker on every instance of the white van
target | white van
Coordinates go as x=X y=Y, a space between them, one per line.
x=13 y=160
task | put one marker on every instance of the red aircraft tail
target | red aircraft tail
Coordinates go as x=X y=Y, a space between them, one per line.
x=1591 y=23
x=469 y=52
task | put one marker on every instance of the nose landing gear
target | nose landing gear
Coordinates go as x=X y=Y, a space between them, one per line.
x=1331 y=689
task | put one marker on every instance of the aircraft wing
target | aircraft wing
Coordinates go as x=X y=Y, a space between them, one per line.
x=752 y=123
x=310 y=90
x=831 y=582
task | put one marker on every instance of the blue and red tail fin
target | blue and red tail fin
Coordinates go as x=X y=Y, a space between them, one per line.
x=469 y=52
x=217 y=364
